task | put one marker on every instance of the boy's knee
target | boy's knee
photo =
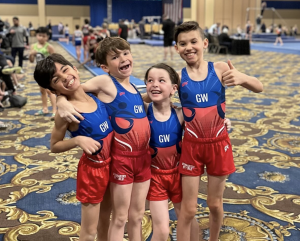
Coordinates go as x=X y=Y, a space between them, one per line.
x=136 y=216
x=120 y=220
x=214 y=205
x=161 y=232
x=188 y=211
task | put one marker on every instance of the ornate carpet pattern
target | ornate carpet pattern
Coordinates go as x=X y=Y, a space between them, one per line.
x=261 y=200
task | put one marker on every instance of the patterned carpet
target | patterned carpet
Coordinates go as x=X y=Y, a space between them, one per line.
x=261 y=200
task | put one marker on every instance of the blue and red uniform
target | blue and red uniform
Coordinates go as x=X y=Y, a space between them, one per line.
x=130 y=151
x=165 y=146
x=206 y=140
x=93 y=170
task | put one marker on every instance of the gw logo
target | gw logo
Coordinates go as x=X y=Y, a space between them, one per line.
x=138 y=109
x=202 y=98
x=164 y=138
x=104 y=126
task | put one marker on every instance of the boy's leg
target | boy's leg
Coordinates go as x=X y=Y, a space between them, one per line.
x=194 y=225
x=89 y=221
x=53 y=101
x=104 y=218
x=14 y=53
x=165 y=53
x=171 y=52
x=121 y=195
x=160 y=220
x=137 y=209
x=190 y=186
x=21 y=56
x=216 y=186
x=44 y=99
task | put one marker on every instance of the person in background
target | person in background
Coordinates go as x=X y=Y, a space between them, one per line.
x=263 y=28
x=279 y=33
x=123 y=30
x=258 y=23
x=263 y=7
x=49 y=26
x=214 y=29
x=142 y=28
x=77 y=41
x=60 y=28
x=67 y=31
x=18 y=34
x=249 y=31
x=168 y=28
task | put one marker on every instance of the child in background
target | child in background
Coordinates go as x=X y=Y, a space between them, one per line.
x=67 y=31
x=94 y=135
x=40 y=50
x=206 y=141
x=77 y=41
x=279 y=33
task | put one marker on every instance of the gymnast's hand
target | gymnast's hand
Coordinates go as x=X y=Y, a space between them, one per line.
x=88 y=144
x=67 y=111
x=227 y=123
x=233 y=77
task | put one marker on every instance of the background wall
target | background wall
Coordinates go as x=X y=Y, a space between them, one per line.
x=56 y=13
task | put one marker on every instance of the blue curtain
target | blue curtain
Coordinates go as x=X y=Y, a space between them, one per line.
x=135 y=9
x=98 y=11
x=186 y=3
x=283 y=4
x=67 y=2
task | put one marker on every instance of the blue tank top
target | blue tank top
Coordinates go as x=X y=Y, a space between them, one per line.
x=165 y=141
x=97 y=126
x=203 y=104
x=129 y=120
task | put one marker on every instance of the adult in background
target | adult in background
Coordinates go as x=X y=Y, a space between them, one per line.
x=49 y=26
x=2 y=25
x=18 y=34
x=263 y=28
x=224 y=39
x=168 y=28
x=123 y=30
x=142 y=28
x=214 y=29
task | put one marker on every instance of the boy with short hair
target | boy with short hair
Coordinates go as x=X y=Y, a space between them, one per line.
x=206 y=141
x=94 y=135
x=40 y=50
x=131 y=159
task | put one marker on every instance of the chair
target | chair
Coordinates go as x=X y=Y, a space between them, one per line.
x=215 y=47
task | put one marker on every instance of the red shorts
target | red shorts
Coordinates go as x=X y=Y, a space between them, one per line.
x=92 y=180
x=164 y=185
x=130 y=166
x=214 y=153
x=85 y=39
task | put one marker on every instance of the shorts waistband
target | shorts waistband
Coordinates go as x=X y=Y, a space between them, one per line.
x=206 y=140
x=87 y=159
x=130 y=153
x=164 y=172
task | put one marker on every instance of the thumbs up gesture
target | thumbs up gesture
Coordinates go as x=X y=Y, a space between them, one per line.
x=232 y=77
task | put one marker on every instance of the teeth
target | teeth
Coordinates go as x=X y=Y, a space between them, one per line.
x=71 y=83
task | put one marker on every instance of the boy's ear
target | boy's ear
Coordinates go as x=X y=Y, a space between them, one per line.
x=176 y=48
x=105 y=68
x=205 y=43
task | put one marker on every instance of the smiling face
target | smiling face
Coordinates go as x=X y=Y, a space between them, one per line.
x=65 y=80
x=190 y=46
x=159 y=85
x=119 y=64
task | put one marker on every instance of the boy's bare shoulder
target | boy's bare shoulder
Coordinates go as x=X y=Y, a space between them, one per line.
x=221 y=66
